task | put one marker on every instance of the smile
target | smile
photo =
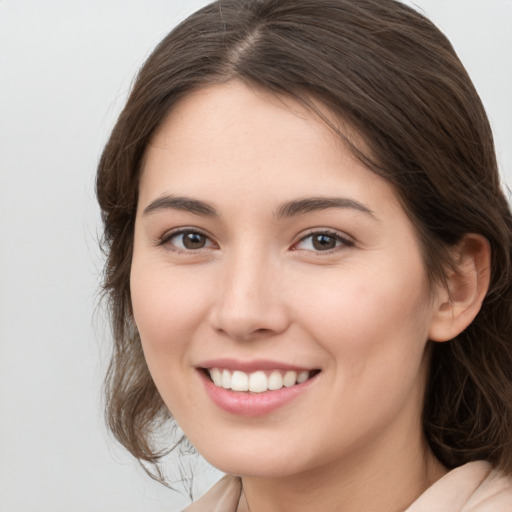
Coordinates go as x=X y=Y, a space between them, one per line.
x=254 y=388
x=258 y=381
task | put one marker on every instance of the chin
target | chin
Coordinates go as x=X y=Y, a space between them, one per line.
x=255 y=460
x=245 y=466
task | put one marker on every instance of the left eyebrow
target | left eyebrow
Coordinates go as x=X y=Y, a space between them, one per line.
x=313 y=204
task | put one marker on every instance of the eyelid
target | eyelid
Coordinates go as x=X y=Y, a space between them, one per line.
x=346 y=241
x=168 y=235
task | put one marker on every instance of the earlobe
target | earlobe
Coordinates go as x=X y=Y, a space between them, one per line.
x=467 y=285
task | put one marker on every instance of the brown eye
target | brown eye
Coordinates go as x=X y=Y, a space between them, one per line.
x=189 y=240
x=193 y=240
x=323 y=242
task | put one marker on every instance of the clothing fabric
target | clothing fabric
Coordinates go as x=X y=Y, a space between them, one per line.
x=474 y=487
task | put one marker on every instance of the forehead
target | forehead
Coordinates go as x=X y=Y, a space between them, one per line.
x=244 y=140
x=222 y=115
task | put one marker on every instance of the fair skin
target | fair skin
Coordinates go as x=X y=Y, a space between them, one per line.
x=236 y=268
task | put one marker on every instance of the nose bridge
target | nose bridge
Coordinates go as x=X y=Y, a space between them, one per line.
x=249 y=302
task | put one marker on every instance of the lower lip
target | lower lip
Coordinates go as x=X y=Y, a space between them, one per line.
x=253 y=404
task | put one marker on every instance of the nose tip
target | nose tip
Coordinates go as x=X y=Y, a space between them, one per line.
x=241 y=329
x=248 y=307
x=247 y=320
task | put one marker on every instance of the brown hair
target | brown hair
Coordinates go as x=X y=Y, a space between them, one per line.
x=394 y=79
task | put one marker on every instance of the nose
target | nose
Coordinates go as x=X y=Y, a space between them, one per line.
x=251 y=299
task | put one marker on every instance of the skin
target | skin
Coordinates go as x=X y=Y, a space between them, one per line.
x=361 y=312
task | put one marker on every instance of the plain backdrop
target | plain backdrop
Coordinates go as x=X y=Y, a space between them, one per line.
x=65 y=70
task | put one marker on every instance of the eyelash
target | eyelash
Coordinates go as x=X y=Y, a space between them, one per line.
x=343 y=241
x=166 y=239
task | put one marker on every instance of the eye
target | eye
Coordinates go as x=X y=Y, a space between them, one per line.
x=322 y=241
x=187 y=240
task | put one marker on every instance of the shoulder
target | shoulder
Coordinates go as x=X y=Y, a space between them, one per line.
x=494 y=494
x=222 y=497
x=474 y=487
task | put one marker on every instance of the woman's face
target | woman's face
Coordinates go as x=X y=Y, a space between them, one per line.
x=267 y=256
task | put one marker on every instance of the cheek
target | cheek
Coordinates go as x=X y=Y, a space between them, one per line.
x=375 y=331
x=167 y=307
x=365 y=312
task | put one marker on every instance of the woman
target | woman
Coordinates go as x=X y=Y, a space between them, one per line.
x=309 y=262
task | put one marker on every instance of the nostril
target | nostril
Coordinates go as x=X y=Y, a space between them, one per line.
x=247 y=316
x=262 y=331
x=244 y=333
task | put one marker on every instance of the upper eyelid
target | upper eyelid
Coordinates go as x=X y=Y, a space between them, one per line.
x=181 y=230
x=342 y=236
x=326 y=231
x=345 y=242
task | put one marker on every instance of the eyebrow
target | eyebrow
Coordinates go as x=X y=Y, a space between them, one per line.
x=289 y=209
x=313 y=204
x=185 y=204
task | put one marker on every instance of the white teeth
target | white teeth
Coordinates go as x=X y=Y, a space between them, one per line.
x=256 y=382
x=226 y=379
x=275 y=380
x=216 y=376
x=290 y=379
x=240 y=381
x=302 y=377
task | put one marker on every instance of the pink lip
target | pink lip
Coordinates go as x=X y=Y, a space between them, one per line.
x=252 y=404
x=250 y=366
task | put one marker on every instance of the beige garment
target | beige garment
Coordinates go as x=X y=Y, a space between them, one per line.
x=222 y=497
x=474 y=487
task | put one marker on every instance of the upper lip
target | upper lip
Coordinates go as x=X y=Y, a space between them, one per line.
x=252 y=365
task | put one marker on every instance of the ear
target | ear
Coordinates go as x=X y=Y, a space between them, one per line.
x=467 y=283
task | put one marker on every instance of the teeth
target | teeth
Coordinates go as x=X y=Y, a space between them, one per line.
x=290 y=379
x=257 y=382
x=275 y=380
x=226 y=379
x=239 y=381
x=216 y=376
x=302 y=377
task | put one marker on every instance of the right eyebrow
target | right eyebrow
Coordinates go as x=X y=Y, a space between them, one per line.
x=186 y=204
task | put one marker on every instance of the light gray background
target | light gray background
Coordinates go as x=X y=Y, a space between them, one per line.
x=65 y=69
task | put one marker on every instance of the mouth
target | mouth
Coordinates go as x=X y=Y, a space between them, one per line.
x=260 y=381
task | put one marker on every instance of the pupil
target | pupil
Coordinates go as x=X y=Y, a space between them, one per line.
x=194 y=240
x=324 y=242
